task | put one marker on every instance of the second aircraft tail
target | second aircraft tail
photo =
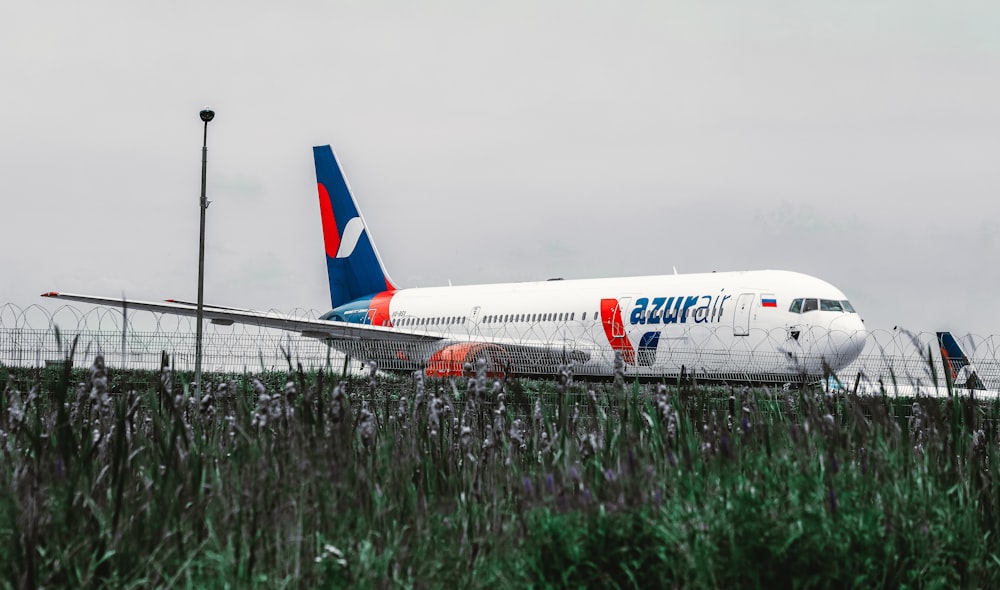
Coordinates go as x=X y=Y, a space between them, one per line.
x=959 y=368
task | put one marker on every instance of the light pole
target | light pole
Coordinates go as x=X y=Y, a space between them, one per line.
x=207 y=115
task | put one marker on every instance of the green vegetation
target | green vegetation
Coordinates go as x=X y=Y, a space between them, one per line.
x=298 y=480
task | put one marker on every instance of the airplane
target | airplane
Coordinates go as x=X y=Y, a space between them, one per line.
x=764 y=325
x=959 y=376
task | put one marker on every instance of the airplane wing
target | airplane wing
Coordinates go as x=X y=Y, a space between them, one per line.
x=230 y=315
x=441 y=354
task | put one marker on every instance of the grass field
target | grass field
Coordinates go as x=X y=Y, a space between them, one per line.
x=299 y=480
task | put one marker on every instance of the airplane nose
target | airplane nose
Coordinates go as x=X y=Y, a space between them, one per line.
x=847 y=337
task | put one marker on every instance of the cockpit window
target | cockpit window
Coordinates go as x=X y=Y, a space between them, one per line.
x=830 y=305
x=804 y=305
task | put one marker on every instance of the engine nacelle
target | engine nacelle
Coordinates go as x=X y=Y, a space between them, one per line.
x=451 y=360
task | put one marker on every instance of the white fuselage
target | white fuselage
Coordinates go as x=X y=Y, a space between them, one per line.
x=723 y=325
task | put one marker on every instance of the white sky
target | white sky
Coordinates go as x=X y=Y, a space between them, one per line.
x=855 y=141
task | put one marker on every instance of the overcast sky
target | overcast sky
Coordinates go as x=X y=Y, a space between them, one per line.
x=855 y=141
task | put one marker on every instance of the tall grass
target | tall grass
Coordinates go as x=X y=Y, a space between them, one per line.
x=309 y=481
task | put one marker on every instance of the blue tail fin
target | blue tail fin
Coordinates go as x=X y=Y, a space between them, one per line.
x=956 y=364
x=353 y=264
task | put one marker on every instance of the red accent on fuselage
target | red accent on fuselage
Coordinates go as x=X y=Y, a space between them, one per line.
x=379 y=309
x=331 y=236
x=611 y=318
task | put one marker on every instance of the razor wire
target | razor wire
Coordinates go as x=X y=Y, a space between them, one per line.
x=36 y=336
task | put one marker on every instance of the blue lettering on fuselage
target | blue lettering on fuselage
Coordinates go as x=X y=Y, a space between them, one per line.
x=679 y=309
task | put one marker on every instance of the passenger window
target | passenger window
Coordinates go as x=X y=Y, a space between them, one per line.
x=796 y=306
x=810 y=305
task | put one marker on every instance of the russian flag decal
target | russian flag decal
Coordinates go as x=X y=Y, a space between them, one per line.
x=768 y=301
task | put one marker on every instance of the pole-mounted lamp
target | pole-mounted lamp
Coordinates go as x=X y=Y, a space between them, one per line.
x=206 y=114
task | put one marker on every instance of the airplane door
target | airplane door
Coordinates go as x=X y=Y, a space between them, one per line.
x=620 y=311
x=741 y=319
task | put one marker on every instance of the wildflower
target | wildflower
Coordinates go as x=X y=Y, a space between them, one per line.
x=979 y=442
x=338 y=402
x=366 y=426
x=517 y=434
x=262 y=411
x=434 y=415
x=619 y=370
x=549 y=483
x=206 y=402
x=589 y=445
x=97 y=378
x=167 y=379
x=418 y=385
x=329 y=551
x=401 y=410
x=527 y=485
x=372 y=374
x=465 y=437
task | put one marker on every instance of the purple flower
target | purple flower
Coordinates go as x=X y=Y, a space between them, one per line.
x=527 y=485
x=832 y=499
x=549 y=483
